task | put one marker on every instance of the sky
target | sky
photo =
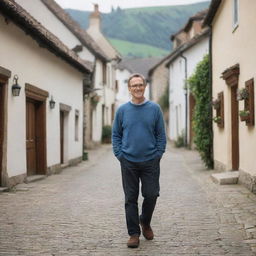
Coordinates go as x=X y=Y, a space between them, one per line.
x=105 y=5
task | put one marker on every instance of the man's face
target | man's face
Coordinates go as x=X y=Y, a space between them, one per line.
x=137 y=88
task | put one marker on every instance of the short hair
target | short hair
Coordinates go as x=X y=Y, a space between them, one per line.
x=136 y=75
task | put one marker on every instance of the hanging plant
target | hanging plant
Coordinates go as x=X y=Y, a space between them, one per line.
x=242 y=94
x=244 y=115
x=216 y=104
x=217 y=119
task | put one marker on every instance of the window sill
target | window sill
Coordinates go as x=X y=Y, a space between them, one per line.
x=235 y=28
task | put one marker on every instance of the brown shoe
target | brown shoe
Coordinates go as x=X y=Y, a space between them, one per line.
x=147 y=231
x=133 y=242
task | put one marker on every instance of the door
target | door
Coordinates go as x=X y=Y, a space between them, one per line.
x=31 y=137
x=62 y=137
x=234 y=129
x=1 y=127
x=191 y=113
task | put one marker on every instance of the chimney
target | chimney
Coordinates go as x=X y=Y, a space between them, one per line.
x=95 y=19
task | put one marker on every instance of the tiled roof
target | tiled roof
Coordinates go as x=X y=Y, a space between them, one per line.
x=198 y=16
x=138 y=65
x=178 y=51
x=164 y=59
x=72 y=25
x=11 y=10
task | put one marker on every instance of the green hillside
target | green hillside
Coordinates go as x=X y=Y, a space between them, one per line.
x=126 y=48
x=151 y=25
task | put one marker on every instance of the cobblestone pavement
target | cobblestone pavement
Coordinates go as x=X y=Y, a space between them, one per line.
x=81 y=212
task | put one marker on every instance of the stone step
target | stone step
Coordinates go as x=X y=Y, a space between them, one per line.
x=34 y=178
x=225 y=178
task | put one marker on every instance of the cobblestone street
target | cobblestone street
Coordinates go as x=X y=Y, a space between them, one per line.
x=81 y=212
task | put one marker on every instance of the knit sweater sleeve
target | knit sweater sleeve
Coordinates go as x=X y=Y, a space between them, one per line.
x=160 y=134
x=117 y=134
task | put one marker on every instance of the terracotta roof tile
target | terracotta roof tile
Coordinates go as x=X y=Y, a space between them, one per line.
x=198 y=16
x=174 y=54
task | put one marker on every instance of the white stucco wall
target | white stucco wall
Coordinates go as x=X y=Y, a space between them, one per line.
x=176 y=87
x=237 y=46
x=41 y=13
x=37 y=66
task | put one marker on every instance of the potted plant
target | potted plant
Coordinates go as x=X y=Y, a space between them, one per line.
x=242 y=94
x=216 y=104
x=244 y=115
x=217 y=119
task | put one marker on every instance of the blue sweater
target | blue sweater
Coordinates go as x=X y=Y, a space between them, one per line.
x=138 y=132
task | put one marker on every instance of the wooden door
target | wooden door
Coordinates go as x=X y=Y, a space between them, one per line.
x=31 y=137
x=234 y=129
x=61 y=137
x=1 y=127
x=191 y=113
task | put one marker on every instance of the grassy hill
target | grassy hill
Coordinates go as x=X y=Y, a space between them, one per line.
x=151 y=25
x=126 y=48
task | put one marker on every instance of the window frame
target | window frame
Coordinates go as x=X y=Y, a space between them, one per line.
x=235 y=14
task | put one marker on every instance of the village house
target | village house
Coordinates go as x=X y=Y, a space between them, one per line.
x=233 y=74
x=190 y=45
x=107 y=85
x=41 y=126
x=69 y=31
x=127 y=67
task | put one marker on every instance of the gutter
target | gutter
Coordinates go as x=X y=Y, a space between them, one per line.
x=186 y=99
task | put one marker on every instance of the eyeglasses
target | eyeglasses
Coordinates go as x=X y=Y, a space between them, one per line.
x=137 y=86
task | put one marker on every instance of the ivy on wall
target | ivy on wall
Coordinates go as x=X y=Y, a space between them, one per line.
x=200 y=87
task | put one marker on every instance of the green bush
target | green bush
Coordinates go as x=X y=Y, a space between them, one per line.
x=199 y=84
x=180 y=142
x=106 y=134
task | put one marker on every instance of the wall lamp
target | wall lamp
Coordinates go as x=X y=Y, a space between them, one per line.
x=52 y=103
x=15 y=87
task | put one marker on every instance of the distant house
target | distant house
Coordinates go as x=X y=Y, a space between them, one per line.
x=127 y=67
x=41 y=128
x=233 y=73
x=191 y=43
x=106 y=95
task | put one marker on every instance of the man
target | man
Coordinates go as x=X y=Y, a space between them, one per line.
x=138 y=138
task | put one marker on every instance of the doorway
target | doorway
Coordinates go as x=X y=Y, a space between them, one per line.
x=234 y=129
x=1 y=127
x=62 y=116
x=192 y=104
x=35 y=137
x=231 y=76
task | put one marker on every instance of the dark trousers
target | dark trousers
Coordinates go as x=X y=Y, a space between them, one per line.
x=132 y=173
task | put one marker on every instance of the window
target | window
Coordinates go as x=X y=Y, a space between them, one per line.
x=76 y=125
x=104 y=73
x=235 y=13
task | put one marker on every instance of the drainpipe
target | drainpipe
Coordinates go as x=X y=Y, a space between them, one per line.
x=210 y=79
x=186 y=99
